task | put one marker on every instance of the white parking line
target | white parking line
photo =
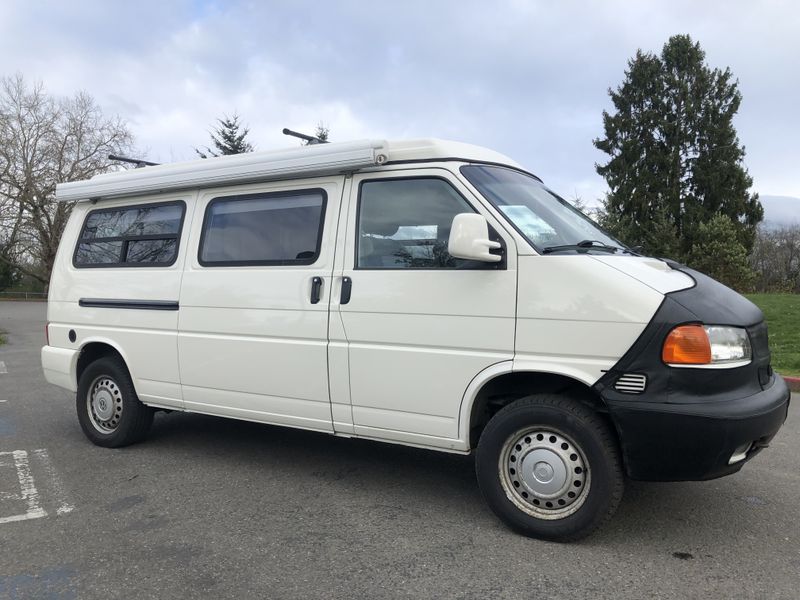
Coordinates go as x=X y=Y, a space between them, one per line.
x=29 y=494
x=3 y=369
x=64 y=506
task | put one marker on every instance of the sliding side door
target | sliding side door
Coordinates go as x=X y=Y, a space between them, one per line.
x=253 y=330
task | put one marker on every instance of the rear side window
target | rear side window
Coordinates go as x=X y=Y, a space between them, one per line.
x=283 y=228
x=132 y=236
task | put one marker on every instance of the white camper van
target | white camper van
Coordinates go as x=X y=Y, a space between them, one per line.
x=419 y=292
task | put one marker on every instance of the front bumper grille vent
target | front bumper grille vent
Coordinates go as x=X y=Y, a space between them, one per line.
x=631 y=383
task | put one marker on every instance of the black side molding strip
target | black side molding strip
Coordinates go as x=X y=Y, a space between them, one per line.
x=133 y=304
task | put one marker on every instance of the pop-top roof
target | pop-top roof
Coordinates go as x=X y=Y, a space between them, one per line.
x=305 y=161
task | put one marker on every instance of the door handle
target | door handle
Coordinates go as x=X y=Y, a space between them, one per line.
x=316 y=287
x=347 y=287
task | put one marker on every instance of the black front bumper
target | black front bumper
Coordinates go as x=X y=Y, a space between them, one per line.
x=688 y=422
x=678 y=442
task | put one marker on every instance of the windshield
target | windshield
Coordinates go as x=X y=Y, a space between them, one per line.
x=548 y=221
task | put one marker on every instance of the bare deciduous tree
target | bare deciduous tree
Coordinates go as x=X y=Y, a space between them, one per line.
x=46 y=140
x=776 y=259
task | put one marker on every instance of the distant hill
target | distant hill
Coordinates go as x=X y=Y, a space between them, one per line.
x=780 y=211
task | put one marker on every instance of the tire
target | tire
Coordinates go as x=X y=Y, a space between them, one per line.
x=109 y=411
x=549 y=468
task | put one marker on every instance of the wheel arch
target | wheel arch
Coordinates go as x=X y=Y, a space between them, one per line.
x=95 y=348
x=500 y=384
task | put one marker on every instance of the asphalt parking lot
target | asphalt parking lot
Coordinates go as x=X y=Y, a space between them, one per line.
x=212 y=508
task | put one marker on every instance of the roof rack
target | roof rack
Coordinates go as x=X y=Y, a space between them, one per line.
x=134 y=161
x=306 y=138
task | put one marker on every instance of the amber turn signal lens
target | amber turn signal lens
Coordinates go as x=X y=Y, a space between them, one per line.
x=687 y=345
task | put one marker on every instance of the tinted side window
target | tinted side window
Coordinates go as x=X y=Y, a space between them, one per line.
x=145 y=235
x=405 y=224
x=282 y=228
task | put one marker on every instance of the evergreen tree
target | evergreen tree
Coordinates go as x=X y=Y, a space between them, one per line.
x=227 y=138
x=675 y=160
x=657 y=236
x=321 y=133
x=718 y=253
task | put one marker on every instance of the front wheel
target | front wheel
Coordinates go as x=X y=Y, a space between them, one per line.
x=549 y=467
x=109 y=410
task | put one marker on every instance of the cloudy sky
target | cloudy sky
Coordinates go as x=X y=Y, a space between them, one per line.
x=527 y=78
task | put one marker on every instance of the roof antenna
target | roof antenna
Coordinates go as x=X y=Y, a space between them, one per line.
x=134 y=161
x=307 y=138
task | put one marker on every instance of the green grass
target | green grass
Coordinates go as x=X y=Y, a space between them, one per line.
x=783 y=319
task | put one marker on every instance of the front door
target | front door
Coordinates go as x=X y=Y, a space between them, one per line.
x=419 y=325
x=253 y=328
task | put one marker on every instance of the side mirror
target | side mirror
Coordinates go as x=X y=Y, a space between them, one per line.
x=469 y=238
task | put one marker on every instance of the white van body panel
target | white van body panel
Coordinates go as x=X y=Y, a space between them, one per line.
x=577 y=316
x=59 y=366
x=431 y=149
x=134 y=338
x=652 y=272
x=133 y=333
x=471 y=394
x=577 y=325
x=411 y=360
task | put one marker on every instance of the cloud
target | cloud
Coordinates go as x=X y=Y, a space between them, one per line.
x=527 y=78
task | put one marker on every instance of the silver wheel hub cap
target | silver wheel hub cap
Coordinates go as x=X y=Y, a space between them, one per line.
x=104 y=404
x=544 y=473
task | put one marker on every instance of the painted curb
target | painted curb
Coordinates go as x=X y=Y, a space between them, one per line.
x=793 y=383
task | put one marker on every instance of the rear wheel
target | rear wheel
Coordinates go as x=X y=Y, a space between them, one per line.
x=109 y=411
x=548 y=466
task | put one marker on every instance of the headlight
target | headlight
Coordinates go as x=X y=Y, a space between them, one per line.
x=711 y=346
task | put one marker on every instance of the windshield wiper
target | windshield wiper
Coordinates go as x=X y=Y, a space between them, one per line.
x=583 y=245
